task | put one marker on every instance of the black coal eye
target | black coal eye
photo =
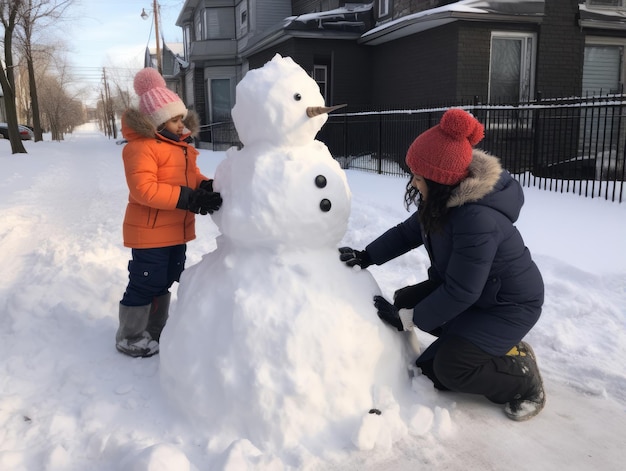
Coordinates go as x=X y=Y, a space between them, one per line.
x=297 y=97
x=320 y=181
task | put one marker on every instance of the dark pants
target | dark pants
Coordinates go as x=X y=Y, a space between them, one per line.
x=457 y=364
x=152 y=272
x=454 y=363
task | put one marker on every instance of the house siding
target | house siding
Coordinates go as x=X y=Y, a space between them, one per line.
x=269 y=13
x=560 y=53
x=474 y=42
x=398 y=69
x=349 y=66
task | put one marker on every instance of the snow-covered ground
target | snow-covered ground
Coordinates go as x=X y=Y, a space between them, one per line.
x=70 y=401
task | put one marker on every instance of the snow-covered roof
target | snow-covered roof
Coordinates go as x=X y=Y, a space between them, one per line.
x=477 y=10
x=354 y=21
x=604 y=18
x=353 y=17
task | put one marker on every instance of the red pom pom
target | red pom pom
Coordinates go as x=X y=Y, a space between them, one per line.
x=147 y=79
x=459 y=124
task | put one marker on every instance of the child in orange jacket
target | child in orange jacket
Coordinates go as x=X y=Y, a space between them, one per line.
x=166 y=191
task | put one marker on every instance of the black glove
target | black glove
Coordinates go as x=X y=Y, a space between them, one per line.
x=203 y=202
x=409 y=296
x=206 y=185
x=353 y=257
x=388 y=313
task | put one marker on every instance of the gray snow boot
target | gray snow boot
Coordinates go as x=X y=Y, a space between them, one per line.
x=158 y=315
x=131 y=338
x=526 y=406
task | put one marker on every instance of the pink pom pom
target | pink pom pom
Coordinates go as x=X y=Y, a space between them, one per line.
x=147 y=79
x=458 y=124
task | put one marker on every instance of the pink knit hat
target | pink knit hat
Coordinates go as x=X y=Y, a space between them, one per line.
x=156 y=101
x=444 y=152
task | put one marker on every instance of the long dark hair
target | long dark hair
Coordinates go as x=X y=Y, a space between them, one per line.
x=433 y=212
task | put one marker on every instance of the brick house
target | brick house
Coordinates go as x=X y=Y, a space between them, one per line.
x=406 y=53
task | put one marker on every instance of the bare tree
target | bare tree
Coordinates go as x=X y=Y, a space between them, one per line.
x=36 y=14
x=60 y=111
x=9 y=16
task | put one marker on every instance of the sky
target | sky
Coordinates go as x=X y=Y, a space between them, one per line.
x=70 y=402
x=112 y=34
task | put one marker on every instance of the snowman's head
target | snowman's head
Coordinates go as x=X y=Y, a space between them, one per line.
x=272 y=104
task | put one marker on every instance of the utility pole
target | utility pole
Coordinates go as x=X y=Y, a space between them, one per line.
x=155 y=13
x=155 y=8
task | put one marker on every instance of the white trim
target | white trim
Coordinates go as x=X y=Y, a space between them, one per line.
x=383 y=8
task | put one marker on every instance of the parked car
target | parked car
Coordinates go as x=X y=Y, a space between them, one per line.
x=25 y=133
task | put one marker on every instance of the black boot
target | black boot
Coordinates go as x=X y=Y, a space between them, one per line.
x=158 y=315
x=527 y=405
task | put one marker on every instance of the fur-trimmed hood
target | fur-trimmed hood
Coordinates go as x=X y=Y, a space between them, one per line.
x=136 y=125
x=484 y=172
x=489 y=185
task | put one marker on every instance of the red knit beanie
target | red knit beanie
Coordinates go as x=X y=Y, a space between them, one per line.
x=443 y=153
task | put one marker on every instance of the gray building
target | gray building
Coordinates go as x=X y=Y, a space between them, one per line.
x=405 y=53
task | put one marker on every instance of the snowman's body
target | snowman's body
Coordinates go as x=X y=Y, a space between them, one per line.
x=274 y=339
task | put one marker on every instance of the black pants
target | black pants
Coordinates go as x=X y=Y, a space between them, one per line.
x=456 y=364
x=152 y=272
x=459 y=365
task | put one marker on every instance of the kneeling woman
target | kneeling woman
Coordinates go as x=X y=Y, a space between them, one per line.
x=484 y=292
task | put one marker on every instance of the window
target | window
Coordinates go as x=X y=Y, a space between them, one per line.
x=511 y=68
x=214 y=23
x=219 y=23
x=198 y=27
x=320 y=75
x=383 y=7
x=602 y=75
x=243 y=18
x=187 y=40
x=601 y=69
x=220 y=100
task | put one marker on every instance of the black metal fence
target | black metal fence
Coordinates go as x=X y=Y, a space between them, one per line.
x=569 y=145
x=566 y=145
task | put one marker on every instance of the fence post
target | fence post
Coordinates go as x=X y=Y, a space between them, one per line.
x=537 y=130
x=380 y=145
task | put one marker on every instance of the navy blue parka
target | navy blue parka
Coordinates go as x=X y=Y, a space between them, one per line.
x=491 y=291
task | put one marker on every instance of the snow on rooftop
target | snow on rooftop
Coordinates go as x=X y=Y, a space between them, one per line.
x=464 y=6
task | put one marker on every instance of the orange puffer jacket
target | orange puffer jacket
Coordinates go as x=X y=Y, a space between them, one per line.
x=156 y=168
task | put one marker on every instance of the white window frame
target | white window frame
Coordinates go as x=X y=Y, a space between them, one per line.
x=527 y=67
x=383 y=8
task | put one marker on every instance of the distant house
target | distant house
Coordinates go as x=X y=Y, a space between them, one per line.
x=406 y=53
x=172 y=64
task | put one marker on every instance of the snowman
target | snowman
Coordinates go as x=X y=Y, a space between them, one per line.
x=274 y=341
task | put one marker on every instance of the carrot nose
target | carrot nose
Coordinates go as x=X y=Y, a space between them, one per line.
x=313 y=111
